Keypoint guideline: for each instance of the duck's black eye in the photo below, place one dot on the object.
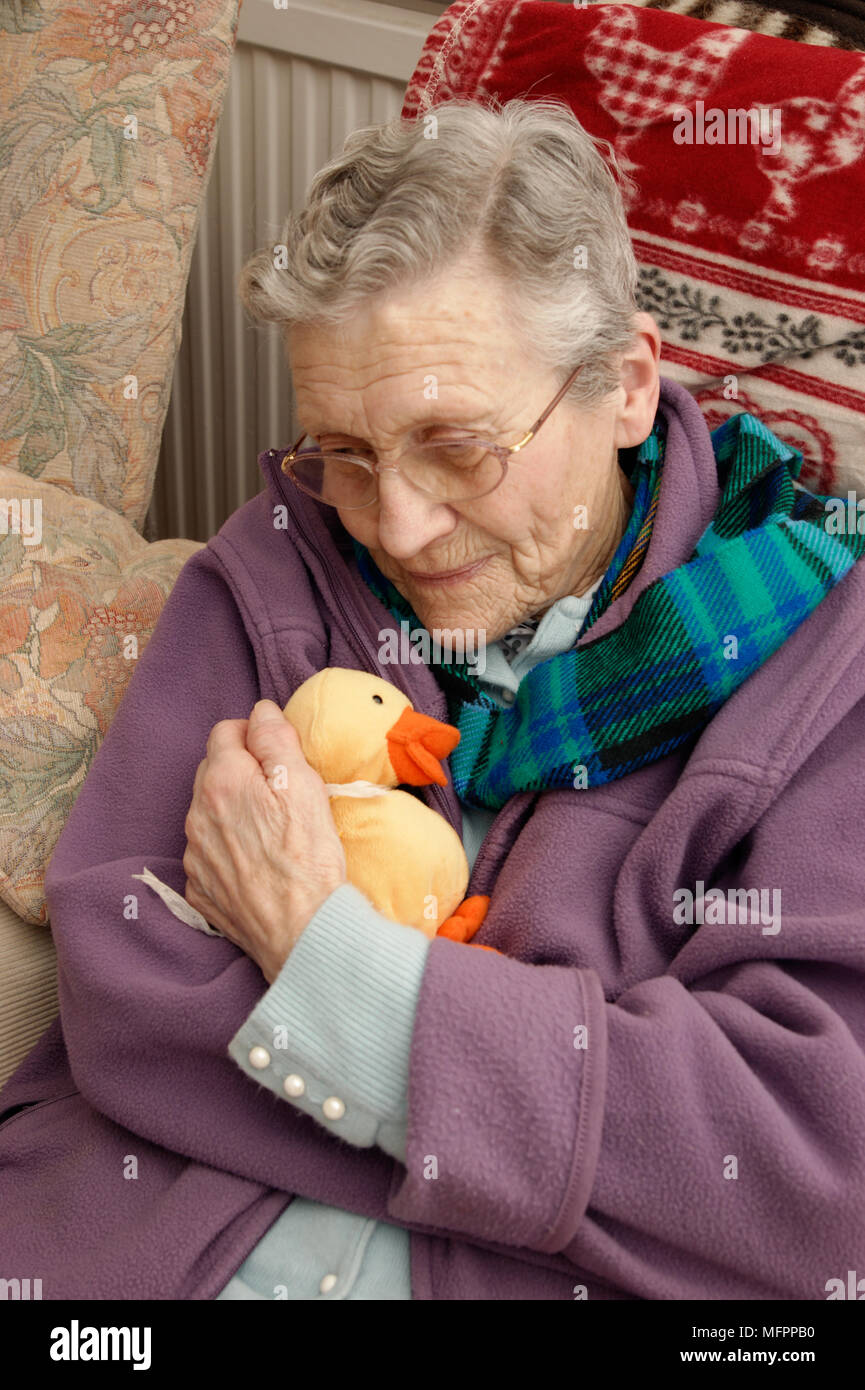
(378, 700)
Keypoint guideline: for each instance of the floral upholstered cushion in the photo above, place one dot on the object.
(80, 593)
(108, 122)
(108, 125)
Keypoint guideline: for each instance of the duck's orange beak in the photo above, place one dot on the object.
(415, 745)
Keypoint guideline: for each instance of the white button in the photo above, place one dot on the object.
(294, 1085)
(327, 1283)
(259, 1057)
(334, 1108)
(508, 697)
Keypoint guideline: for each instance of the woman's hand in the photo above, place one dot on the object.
(262, 849)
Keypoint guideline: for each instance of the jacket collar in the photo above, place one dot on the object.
(688, 500)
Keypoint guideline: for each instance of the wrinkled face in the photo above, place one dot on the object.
(445, 355)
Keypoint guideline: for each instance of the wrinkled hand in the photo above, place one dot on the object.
(262, 849)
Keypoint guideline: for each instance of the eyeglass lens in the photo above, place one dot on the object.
(450, 470)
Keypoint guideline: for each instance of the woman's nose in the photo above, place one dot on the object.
(407, 519)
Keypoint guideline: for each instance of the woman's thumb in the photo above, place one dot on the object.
(265, 712)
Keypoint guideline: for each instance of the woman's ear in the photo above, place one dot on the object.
(640, 384)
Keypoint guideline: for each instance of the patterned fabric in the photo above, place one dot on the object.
(639, 83)
(108, 119)
(841, 25)
(80, 594)
(518, 638)
(649, 686)
(751, 262)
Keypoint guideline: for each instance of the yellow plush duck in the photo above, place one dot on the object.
(364, 739)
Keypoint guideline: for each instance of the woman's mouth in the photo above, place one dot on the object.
(449, 576)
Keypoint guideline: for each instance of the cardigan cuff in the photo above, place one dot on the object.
(333, 1032)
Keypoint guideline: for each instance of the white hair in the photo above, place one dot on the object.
(522, 183)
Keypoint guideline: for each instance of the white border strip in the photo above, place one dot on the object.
(356, 34)
(751, 268)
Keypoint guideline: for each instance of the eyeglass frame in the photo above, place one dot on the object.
(502, 451)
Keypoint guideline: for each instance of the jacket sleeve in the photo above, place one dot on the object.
(709, 1139)
(336, 1023)
(148, 1005)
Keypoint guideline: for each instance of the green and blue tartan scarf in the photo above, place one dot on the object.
(604, 709)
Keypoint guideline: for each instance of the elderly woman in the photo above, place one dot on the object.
(653, 1087)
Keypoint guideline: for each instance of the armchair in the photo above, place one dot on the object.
(108, 126)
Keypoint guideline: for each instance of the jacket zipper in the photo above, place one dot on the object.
(362, 648)
(27, 1107)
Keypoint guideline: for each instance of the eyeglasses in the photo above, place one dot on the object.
(447, 470)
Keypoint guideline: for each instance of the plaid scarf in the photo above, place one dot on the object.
(599, 711)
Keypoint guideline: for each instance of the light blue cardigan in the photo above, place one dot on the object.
(345, 1002)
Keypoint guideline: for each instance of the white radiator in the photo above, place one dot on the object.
(303, 76)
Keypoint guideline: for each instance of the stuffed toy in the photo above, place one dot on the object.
(364, 739)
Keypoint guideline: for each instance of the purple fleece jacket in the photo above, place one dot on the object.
(624, 1105)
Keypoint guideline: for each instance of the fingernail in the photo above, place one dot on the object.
(267, 709)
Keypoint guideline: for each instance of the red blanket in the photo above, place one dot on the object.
(748, 152)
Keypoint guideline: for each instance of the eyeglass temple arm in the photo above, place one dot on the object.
(513, 448)
(288, 457)
(549, 410)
